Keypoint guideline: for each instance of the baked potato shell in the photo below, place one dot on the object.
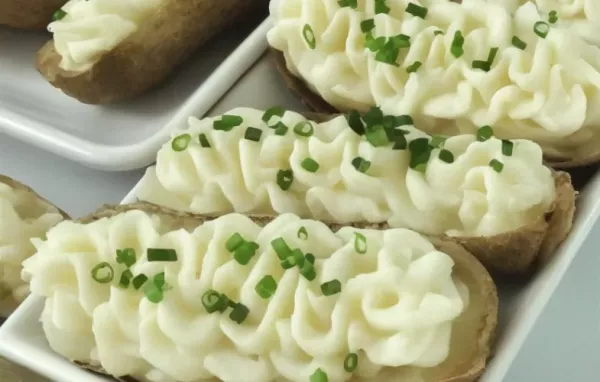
(28, 14)
(151, 53)
(473, 333)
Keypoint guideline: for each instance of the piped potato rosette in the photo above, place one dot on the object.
(531, 69)
(494, 196)
(143, 292)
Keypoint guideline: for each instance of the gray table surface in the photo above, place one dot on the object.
(563, 347)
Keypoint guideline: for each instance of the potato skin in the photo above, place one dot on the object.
(28, 14)
(475, 334)
(149, 55)
(20, 186)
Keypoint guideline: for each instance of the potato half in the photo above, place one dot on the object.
(473, 332)
(146, 57)
(28, 14)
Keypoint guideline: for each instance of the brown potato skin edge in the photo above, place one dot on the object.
(144, 60)
(28, 14)
(467, 267)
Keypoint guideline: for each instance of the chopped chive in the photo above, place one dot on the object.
(288, 263)
(204, 141)
(394, 134)
(308, 271)
(400, 143)
(416, 10)
(227, 122)
(59, 15)
(412, 68)
(360, 243)
(298, 257)
(304, 129)
(484, 133)
(496, 165)
(281, 248)
(245, 252)
(103, 273)
(507, 147)
(253, 134)
(552, 17)
(482, 65)
(225, 303)
(319, 376)
(518, 43)
(541, 28)
(310, 258)
(275, 111)
(404, 120)
(234, 242)
(355, 122)
(153, 293)
(285, 178)
(438, 32)
(373, 117)
(446, 156)
(361, 164)
(367, 25)
(374, 44)
(139, 280)
(420, 152)
(266, 287)
(348, 3)
(457, 44)
(389, 52)
(351, 362)
(159, 280)
(376, 136)
(437, 141)
(280, 128)
(181, 142)
(230, 303)
(492, 55)
(310, 165)
(211, 300)
(126, 257)
(331, 287)
(309, 36)
(125, 280)
(161, 254)
(381, 7)
(239, 313)
(302, 233)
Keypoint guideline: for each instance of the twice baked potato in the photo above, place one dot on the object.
(453, 66)
(23, 215)
(495, 197)
(163, 295)
(112, 50)
(28, 14)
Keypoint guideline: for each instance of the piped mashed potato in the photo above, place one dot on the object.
(467, 185)
(514, 65)
(22, 217)
(85, 30)
(384, 299)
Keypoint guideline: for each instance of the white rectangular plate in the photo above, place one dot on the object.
(122, 136)
(22, 340)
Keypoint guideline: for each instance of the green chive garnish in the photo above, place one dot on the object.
(437, 141)
(225, 303)
(367, 25)
(211, 300)
(245, 252)
(446, 156)
(275, 111)
(161, 254)
(139, 280)
(234, 242)
(484, 133)
(288, 263)
(361, 164)
(390, 51)
(154, 290)
(126, 257)
(285, 179)
(400, 142)
(541, 28)
(239, 313)
(280, 128)
(404, 120)
(204, 141)
(507, 147)
(319, 376)
(159, 280)
(59, 15)
(308, 271)
(253, 134)
(373, 117)
(309, 36)
(552, 17)
(496, 165)
(266, 287)
(420, 152)
(310, 258)
(412, 68)
(416, 10)
(331, 287)
(298, 257)
(103, 273)
(374, 44)
(355, 122)
(457, 44)
(518, 43)
(304, 129)
(310, 165)
(351, 362)
(302, 233)
(482, 65)
(181, 142)
(281, 248)
(376, 136)
(227, 122)
(381, 7)
(360, 243)
(125, 280)
(348, 3)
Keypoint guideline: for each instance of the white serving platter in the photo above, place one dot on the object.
(521, 303)
(123, 136)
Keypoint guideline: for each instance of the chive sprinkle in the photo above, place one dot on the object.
(59, 15)
(360, 243)
(211, 300)
(361, 164)
(154, 291)
(482, 65)
(125, 280)
(457, 44)
(239, 313)
(507, 147)
(161, 254)
(304, 129)
(234, 242)
(518, 43)
(416, 10)
(420, 152)
(126, 257)
(552, 17)
(412, 68)
(348, 3)
(389, 52)
(275, 111)
(541, 28)
(285, 178)
(308, 271)
(381, 7)
(400, 142)
(331, 287)
(302, 233)
(373, 117)
(280, 128)
(281, 248)
(159, 280)
(224, 303)
(309, 36)
(288, 263)
(374, 44)
(139, 280)
(355, 122)
(245, 252)
(496, 165)
(266, 287)
(103, 273)
(367, 25)
(437, 141)
(446, 156)
(310, 165)
(376, 136)
(227, 122)
(181, 142)
(351, 362)
(253, 134)
(310, 258)
(484, 133)
(319, 376)
(204, 141)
